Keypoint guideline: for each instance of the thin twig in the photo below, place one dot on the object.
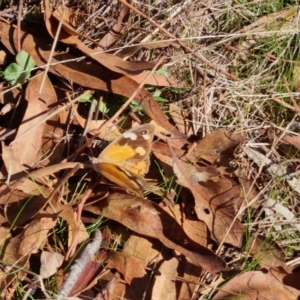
(88, 122)
(53, 47)
(98, 107)
(20, 8)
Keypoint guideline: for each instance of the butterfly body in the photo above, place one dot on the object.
(126, 160)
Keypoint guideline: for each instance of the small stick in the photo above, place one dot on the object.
(283, 103)
(79, 265)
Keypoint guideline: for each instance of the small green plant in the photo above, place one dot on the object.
(89, 97)
(19, 71)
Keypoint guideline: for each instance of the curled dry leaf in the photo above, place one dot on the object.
(114, 33)
(189, 273)
(131, 69)
(53, 133)
(28, 182)
(144, 217)
(17, 250)
(65, 211)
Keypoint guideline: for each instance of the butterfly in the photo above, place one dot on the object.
(126, 160)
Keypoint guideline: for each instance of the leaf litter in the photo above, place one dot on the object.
(160, 246)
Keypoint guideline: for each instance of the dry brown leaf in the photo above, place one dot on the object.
(50, 262)
(23, 151)
(216, 148)
(188, 278)
(66, 212)
(29, 206)
(116, 288)
(164, 287)
(273, 284)
(27, 182)
(145, 249)
(81, 234)
(292, 140)
(188, 273)
(162, 153)
(18, 249)
(214, 203)
(53, 131)
(35, 235)
(10, 99)
(133, 271)
(11, 258)
(179, 117)
(4, 234)
(2, 57)
(144, 217)
(129, 266)
(195, 230)
(268, 254)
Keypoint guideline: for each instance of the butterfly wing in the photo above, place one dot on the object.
(126, 160)
(130, 151)
(124, 178)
